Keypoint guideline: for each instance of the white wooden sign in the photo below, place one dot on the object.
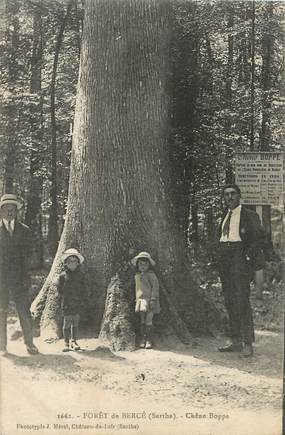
(259, 176)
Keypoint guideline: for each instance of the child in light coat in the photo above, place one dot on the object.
(147, 296)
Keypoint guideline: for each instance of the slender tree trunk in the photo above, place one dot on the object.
(267, 59)
(265, 133)
(53, 214)
(185, 91)
(211, 64)
(118, 199)
(12, 40)
(229, 81)
(252, 83)
(194, 233)
(34, 197)
(11, 152)
(78, 18)
(210, 225)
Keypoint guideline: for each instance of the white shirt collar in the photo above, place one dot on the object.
(235, 210)
(12, 224)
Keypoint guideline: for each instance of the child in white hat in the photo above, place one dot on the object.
(147, 296)
(71, 287)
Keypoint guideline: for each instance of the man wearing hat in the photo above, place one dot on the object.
(15, 253)
(240, 254)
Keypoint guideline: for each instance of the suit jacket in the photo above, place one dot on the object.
(252, 236)
(15, 254)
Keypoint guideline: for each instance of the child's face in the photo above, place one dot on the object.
(72, 262)
(143, 265)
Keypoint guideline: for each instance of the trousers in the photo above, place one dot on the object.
(23, 310)
(235, 275)
(146, 317)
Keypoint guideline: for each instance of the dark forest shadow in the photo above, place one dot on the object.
(58, 363)
(267, 359)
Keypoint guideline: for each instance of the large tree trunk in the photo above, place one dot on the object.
(118, 199)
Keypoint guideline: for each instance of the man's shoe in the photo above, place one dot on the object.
(3, 352)
(66, 348)
(237, 347)
(247, 351)
(148, 344)
(142, 343)
(32, 349)
(74, 346)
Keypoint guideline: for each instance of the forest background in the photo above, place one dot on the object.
(226, 93)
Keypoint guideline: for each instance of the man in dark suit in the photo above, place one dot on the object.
(240, 254)
(15, 253)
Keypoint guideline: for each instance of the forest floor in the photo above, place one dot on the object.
(171, 389)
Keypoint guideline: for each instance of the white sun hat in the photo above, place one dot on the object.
(72, 252)
(143, 255)
(10, 198)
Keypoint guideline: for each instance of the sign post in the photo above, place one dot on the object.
(259, 277)
(259, 176)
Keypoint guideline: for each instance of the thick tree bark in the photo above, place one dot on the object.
(118, 199)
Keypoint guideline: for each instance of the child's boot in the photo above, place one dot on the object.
(143, 336)
(148, 344)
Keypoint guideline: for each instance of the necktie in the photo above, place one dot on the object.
(226, 227)
(9, 228)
